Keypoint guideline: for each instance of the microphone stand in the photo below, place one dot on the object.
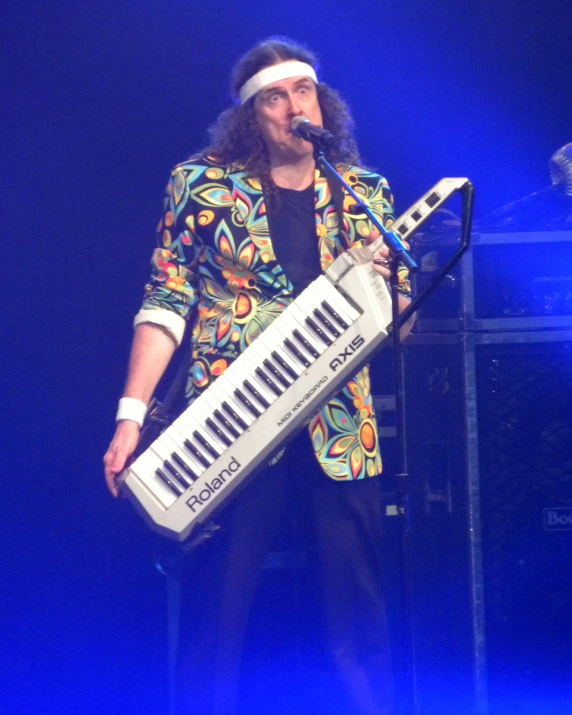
(398, 256)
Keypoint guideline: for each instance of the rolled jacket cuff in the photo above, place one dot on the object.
(167, 319)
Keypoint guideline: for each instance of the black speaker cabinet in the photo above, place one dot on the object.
(490, 458)
(505, 281)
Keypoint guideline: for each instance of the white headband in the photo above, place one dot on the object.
(274, 73)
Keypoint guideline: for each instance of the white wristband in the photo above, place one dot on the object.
(131, 409)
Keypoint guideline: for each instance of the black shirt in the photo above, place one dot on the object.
(292, 227)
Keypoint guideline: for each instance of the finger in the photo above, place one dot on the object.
(382, 257)
(373, 235)
(114, 462)
(110, 481)
(118, 466)
(382, 270)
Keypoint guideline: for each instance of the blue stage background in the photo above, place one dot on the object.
(101, 99)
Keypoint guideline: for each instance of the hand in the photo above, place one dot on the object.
(121, 448)
(382, 263)
(381, 259)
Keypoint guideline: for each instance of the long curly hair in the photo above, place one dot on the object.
(236, 139)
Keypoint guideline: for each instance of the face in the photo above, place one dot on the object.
(277, 104)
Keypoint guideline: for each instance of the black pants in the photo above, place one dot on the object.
(218, 584)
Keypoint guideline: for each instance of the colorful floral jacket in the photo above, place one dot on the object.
(216, 267)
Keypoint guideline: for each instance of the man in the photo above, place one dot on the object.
(248, 224)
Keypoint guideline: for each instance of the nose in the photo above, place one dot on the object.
(295, 108)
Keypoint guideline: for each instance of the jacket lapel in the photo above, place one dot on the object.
(251, 208)
(250, 204)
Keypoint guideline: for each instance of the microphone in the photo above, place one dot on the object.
(561, 168)
(303, 128)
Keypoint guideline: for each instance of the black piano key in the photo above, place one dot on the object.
(329, 325)
(239, 421)
(230, 428)
(284, 365)
(184, 466)
(319, 332)
(206, 444)
(273, 370)
(297, 354)
(302, 340)
(253, 391)
(177, 475)
(197, 454)
(336, 316)
(267, 381)
(246, 402)
(217, 430)
(177, 491)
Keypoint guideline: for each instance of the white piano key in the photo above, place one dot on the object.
(216, 405)
(161, 449)
(308, 305)
(195, 426)
(323, 318)
(295, 322)
(326, 291)
(189, 423)
(175, 436)
(275, 343)
(172, 441)
(234, 384)
(144, 469)
(342, 305)
(265, 353)
(164, 454)
(313, 339)
(261, 353)
(292, 363)
(263, 390)
(247, 373)
(286, 334)
(254, 379)
(224, 389)
(257, 351)
(201, 412)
